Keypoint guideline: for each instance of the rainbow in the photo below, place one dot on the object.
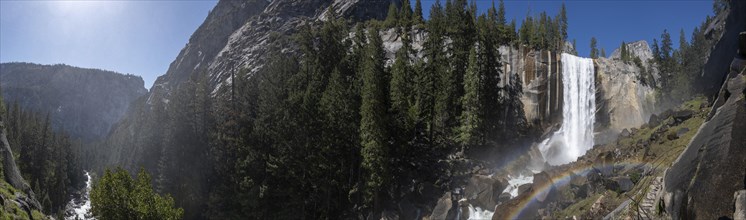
(527, 204)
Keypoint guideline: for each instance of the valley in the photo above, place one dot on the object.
(388, 109)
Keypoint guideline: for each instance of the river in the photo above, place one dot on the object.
(79, 206)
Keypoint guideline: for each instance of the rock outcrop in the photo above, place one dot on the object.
(541, 77)
(12, 174)
(711, 169)
(86, 103)
(724, 28)
(623, 101)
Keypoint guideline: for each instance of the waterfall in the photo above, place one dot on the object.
(78, 208)
(575, 136)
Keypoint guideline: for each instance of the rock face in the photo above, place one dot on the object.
(83, 102)
(639, 49)
(541, 77)
(739, 200)
(235, 36)
(11, 173)
(623, 101)
(711, 168)
(724, 28)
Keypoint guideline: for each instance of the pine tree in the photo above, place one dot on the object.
(563, 22)
(405, 14)
(400, 84)
(392, 19)
(594, 50)
(418, 19)
(683, 44)
(656, 51)
(623, 52)
(373, 131)
(472, 117)
(666, 46)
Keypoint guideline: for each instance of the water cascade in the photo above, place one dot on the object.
(575, 136)
(78, 208)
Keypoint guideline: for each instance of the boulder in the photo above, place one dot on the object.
(625, 183)
(625, 133)
(739, 198)
(524, 188)
(484, 191)
(504, 197)
(681, 131)
(672, 136)
(604, 163)
(440, 212)
(612, 185)
(683, 115)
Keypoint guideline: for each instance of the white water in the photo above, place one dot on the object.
(78, 208)
(515, 182)
(479, 214)
(575, 136)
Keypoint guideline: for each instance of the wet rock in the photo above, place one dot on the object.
(504, 197)
(440, 212)
(524, 188)
(484, 191)
(463, 205)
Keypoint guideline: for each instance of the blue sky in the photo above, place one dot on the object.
(611, 22)
(144, 37)
(137, 37)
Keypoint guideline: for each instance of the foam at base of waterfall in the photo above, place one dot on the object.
(476, 213)
(575, 137)
(515, 182)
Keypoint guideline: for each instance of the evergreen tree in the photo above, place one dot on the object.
(603, 52)
(683, 44)
(594, 50)
(623, 52)
(373, 132)
(471, 132)
(418, 19)
(666, 46)
(656, 51)
(563, 22)
(117, 196)
(392, 19)
(405, 15)
(400, 84)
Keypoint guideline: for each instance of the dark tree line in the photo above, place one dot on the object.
(332, 131)
(682, 65)
(46, 158)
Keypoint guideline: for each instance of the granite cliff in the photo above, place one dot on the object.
(85, 103)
